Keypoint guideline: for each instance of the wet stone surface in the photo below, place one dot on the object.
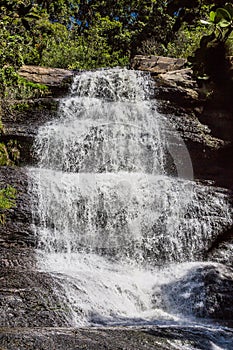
(204, 292)
(143, 338)
(17, 230)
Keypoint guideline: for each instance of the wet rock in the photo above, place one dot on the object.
(211, 156)
(221, 249)
(91, 339)
(30, 299)
(17, 257)
(28, 296)
(116, 338)
(178, 87)
(203, 125)
(223, 253)
(22, 118)
(205, 291)
(17, 230)
(210, 152)
(218, 115)
(204, 121)
(175, 82)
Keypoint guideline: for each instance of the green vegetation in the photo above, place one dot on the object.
(85, 34)
(15, 87)
(7, 201)
(209, 60)
(9, 153)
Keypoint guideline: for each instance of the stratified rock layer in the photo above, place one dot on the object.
(56, 79)
(157, 64)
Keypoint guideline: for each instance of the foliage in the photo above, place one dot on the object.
(92, 50)
(222, 22)
(209, 60)
(79, 34)
(205, 48)
(57, 34)
(7, 201)
(8, 155)
(4, 156)
(9, 152)
(183, 43)
(15, 87)
(90, 34)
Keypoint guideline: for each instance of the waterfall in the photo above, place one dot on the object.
(117, 214)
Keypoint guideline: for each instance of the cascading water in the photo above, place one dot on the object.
(114, 222)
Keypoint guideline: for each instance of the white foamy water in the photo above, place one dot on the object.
(113, 221)
(108, 292)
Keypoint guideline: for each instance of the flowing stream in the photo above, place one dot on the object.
(118, 216)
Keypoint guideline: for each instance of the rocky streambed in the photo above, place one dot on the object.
(117, 338)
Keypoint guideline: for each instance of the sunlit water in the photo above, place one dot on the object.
(115, 221)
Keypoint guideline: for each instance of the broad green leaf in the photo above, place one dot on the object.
(223, 23)
(212, 16)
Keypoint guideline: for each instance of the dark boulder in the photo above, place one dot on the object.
(204, 291)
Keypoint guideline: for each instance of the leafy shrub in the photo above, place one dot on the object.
(15, 87)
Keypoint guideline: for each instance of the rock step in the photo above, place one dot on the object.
(115, 338)
(31, 298)
(57, 79)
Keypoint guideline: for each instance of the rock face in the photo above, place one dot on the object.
(206, 291)
(205, 123)
(27, 297)
(21, 120)
(180, 78)
(17, 229)
(178, 87)
(221, 250)
(157, 64)
(55, 78)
